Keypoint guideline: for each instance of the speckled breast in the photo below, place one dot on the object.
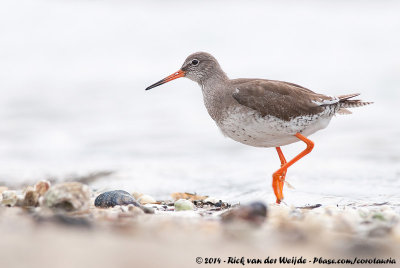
(247, 126)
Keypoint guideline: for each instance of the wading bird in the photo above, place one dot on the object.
(261, 112)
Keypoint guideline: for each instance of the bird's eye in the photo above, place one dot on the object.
(195, 62)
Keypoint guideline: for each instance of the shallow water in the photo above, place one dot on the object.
(72, 79)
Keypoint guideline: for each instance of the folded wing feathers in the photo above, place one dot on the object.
(348, 96)
(344, 102)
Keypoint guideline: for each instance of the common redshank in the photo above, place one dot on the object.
(261, 112)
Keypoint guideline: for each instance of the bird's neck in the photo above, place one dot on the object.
(215, 77)
(215, 91)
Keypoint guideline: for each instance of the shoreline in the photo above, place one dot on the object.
(125, 236)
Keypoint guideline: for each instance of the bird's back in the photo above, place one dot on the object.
(286, 100)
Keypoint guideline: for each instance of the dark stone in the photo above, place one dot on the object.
(255, 212)
(114, 198)
(258, 209)
(218, 204)
(147, 210)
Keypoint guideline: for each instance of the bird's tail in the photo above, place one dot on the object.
(346, 102)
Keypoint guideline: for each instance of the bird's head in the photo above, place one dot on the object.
(198, 67)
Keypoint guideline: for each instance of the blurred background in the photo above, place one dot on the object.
(73, 74)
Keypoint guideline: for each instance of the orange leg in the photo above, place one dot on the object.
(279, 175)
(281, 181)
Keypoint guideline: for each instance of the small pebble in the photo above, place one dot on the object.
(183, 204)
(31, 199)
(146, 199)
(148, 210)
(114, 198)
(132, 210)
(255, 212)
(68, 196)
(378, 216)
(10, 198)
(211, 200)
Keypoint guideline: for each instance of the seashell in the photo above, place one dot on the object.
(68, 196)
(114, 198)
(10, 198)
(42, 187)
(183, 204)
(146, 199)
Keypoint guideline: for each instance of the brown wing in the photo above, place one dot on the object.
(280, 99)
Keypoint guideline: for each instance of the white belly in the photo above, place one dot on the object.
(246, 126)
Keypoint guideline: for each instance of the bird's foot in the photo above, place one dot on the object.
(278, 179)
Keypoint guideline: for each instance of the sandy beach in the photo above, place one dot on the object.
(126, 236)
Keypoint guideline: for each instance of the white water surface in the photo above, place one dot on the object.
(73, 74)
